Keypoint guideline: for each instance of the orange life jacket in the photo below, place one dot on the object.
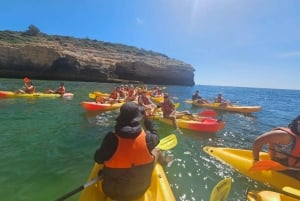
(114, 95)
(294, 155)
(131, 92)
(130, 152)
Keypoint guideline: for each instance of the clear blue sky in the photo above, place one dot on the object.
(254, 43)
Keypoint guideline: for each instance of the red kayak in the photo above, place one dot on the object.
(94, 106)
(202, 124)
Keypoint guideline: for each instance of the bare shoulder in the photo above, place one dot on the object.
(276, 135)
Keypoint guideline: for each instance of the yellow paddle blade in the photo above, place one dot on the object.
(221, 191)
(291, 191)
(177, 105)
(92, 95)
(99, 93)
(168, 142)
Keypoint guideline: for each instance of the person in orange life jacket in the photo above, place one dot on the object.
(132, 94)
(145, 101)
(129, 154)
(169, 111)
(114, 96)
(284, 146)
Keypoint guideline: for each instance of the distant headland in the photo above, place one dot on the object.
(51, 57)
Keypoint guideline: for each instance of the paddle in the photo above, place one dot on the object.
(270, 165)
(92, 95)
(166, 143)
(221, 190)
(208, 113)
(80, 188)
(292, 191)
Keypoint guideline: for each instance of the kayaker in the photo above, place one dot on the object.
(196, 97)
(60, 90)
(284, 145)
(114, 96)
(29, 88)
(129, 154)
(169, 111)
(219, 99)
(144, 101)
(132, 94)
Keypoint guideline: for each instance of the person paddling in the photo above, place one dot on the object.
(60, 90)
(169, 111)
(29, 88)
(129, 154)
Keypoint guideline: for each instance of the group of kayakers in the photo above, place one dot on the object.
(142, 96)
(29, 88)
(219, 99)
(129, 154)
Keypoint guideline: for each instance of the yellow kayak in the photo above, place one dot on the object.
(229, 108)
(157, 99)
(10, 94)
(159, 189)
(242, 160)
(268, 196)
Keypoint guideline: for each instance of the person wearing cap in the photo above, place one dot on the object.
(128, 154)
(169, 111)
(145, 101)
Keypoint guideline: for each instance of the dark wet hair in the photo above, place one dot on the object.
(294, 125)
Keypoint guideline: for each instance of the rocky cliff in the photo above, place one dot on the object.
(67, 58)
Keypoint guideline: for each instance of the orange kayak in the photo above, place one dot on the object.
(204, 124)
(94, 106)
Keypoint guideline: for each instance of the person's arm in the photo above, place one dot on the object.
(271, 137)
(152, 137)
(107, 149)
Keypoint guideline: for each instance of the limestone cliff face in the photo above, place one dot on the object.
(66, 58)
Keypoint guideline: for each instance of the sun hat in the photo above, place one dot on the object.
(130, 112)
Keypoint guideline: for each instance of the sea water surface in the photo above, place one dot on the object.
(47, 144)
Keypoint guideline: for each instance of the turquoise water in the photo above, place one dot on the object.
(47, 145)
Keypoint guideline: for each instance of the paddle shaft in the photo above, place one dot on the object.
(80, 188)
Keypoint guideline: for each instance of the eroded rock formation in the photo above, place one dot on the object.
(67, 58)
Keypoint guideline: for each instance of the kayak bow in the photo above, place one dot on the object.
(242, 160)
